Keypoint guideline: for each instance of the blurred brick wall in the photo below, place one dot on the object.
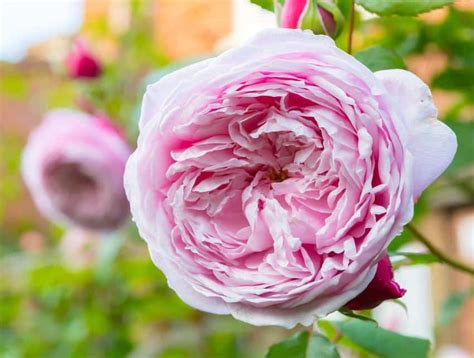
(186, 28)
(18, 115)
(181, 28)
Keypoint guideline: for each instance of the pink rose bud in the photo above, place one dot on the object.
(80, 63)
(73, 166)
(381, 288)
(319, 16)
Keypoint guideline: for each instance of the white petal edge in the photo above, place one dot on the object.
(431, 142)
(158, 92)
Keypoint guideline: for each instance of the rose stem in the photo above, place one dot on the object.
(438, 253)
(351, 27)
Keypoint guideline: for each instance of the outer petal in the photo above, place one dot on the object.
(185, 291)
(431, 142)
(160, 97)
(160, 100)
(157, 93)
(304, 314)
(291, 13)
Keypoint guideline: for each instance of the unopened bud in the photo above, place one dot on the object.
(80, 63)
(319, 16)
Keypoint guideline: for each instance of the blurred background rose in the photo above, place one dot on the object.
(73, 165)
(77, 293)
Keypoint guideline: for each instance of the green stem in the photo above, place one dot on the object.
(438, 253)
(351, 27)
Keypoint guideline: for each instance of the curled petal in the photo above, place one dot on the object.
(431, 142)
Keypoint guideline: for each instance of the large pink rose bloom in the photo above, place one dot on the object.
(268, 181)
(73, 165)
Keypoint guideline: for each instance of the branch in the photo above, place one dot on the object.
(438, 253)
(351, 27)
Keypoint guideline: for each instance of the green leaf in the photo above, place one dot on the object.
(404, 238)
(345, 6)
(401, 304)
(415, 258)
(320, 347)
(382, 342)
(401, 7)
(378, 58)
(465, 133)
(452, 305)
(334, 335)
(264, 4)
(349, 313)
(294, 346)
(300, 345)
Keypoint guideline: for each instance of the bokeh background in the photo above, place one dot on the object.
(67, 292)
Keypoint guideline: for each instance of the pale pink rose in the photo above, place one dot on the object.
(73, 166)
(268, 181)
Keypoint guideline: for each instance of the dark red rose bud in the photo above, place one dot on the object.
(381, 288)
(80, 63)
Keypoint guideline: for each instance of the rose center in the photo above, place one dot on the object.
(278, 175)
(69, 176)
(70, 185)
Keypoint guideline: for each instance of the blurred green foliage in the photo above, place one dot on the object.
(118, 305)
(10, 151)
(452, 305)
(13, 85)
(453, 36)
